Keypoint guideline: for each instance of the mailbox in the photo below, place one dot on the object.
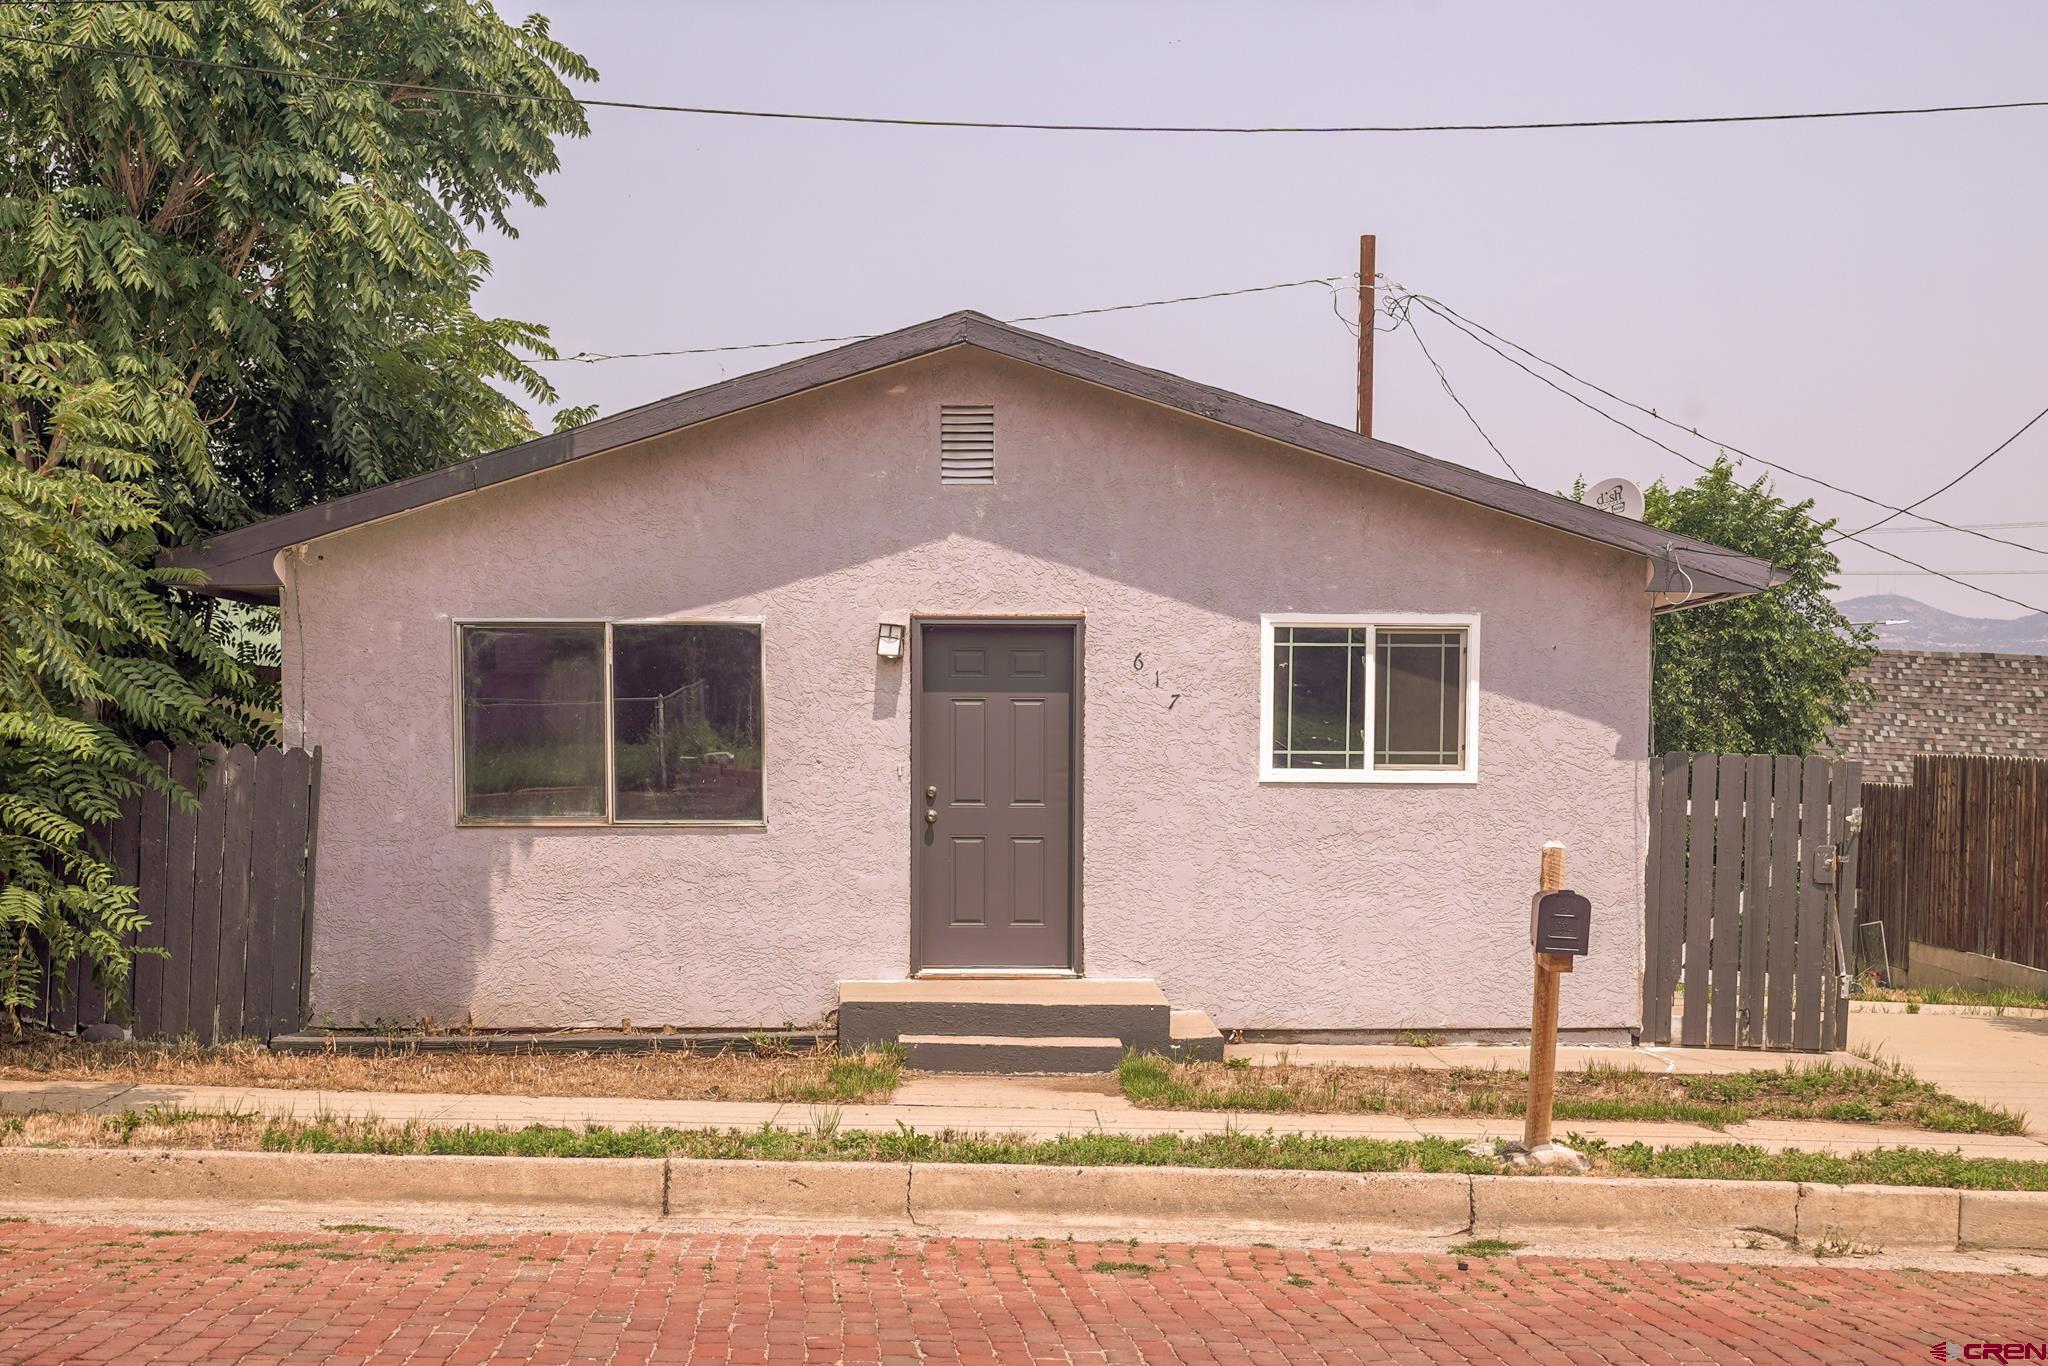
(1560, 922)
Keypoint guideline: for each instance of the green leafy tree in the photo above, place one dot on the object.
(96, 654)
(227, 287)
(1766, 674)
(334, 413)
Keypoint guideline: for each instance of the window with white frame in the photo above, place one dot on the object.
(594, 723)
(1369, 698)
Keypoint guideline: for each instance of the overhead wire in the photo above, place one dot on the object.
(887, 121)
(1967, 526)
(1450, 315)
(1445, 381)
(595, 357)
(1468, 326)
(1972, 469)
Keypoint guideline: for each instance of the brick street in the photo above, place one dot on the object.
(132, 1293)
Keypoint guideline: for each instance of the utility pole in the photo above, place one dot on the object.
(1368, 306)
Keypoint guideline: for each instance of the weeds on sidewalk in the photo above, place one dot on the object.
(812, 1075)
(1276, 1152)
(1485, 1247)
(1884, 1093)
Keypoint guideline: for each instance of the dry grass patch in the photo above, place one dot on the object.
(155, 1128)
(810, 1075)
(1883, 1093)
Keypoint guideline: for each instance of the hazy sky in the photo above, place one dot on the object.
(1859, 299)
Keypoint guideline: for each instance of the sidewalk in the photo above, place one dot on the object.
(1992, 1059)
(1033, 1107)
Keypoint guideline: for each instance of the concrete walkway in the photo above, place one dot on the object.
(1034, 1107)
(1990, 1057)
(1993, 1059)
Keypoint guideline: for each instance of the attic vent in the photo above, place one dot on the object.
(967, 443)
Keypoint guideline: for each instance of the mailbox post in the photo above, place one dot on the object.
(1559, 931)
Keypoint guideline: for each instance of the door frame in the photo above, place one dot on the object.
(1077, 624)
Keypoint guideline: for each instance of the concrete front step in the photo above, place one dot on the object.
(1133, 1012)
(1195, 1037)
(1014, 1054)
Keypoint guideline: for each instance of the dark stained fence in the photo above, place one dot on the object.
(1743, 911)
(1958, 858)
(228, 891)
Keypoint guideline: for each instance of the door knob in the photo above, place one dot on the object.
(931, 794)
(931, 818)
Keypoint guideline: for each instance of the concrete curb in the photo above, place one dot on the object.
(601, 1186)
(1667, 1212)
(1721, 1213)
(1123, 1197)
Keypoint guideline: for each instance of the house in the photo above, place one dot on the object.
(959, 671)
(1942, 702)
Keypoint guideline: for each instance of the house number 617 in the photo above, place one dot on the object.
(1138, 666)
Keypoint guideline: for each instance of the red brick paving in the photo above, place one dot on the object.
(132, 1294)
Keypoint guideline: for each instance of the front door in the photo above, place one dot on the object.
(995, 775)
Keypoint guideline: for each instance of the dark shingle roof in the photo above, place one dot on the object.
(238, 563)
(1934, 702)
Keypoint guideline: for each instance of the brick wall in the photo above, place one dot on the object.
(1934, 702)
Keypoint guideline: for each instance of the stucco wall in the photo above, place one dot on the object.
(1272, 906)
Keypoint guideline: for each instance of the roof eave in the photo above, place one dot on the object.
(239, 561)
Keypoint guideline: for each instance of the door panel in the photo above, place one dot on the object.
(995, 728)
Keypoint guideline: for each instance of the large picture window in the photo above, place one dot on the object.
(625, 723)
(1369, 699)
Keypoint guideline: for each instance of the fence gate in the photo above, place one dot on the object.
(227, 889)
(1750, 900)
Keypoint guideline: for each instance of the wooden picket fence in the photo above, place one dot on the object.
(1958, 858)
(1744, 907)
(228, 891)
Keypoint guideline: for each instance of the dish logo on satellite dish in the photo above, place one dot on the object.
(1617, 496)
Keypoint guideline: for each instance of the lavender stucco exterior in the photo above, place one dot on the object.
(1272, 906)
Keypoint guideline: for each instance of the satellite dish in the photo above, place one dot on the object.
(1617, 496)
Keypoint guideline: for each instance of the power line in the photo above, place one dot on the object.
(1966, 526)
(1450, 315)
(1468, 326)
(1885, 573)
(1445, 380)
(595, 357)
(1980, 464)
(874, 120)
(1960, 583)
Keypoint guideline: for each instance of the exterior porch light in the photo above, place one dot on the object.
(889, 640)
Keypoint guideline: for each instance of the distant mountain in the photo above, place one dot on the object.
(1929, 628)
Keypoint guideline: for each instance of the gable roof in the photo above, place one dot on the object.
(238, 563)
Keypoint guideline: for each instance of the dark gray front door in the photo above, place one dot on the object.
(995, 784)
